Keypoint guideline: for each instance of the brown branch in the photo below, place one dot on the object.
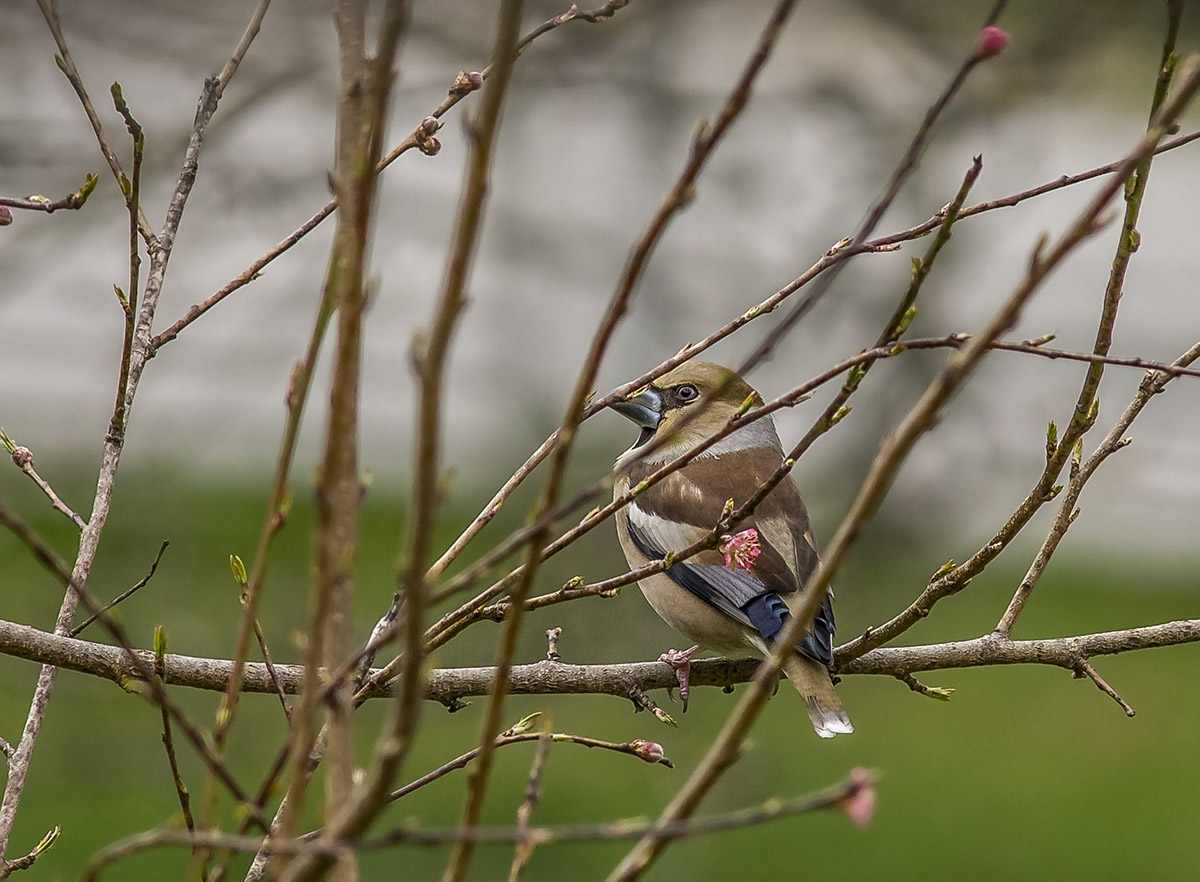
(41, 550)
(446, 685)
(72, 201)
(834, 797)
(181, 791)
(366, 84)
(523, 847)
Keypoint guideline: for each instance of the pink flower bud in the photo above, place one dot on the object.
(22, 456)
(429, 125)
(650, 751)
(858, 802)
(992, 41)
(741, 550)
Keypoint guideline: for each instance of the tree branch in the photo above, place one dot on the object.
(449, 685)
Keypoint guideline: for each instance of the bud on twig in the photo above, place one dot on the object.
(992, 41)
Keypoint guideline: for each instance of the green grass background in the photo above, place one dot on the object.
(1025, 773)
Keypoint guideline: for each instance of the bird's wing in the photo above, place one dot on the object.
(674, 513)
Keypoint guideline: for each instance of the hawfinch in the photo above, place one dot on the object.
(734, 598)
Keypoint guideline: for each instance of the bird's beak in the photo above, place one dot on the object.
(644, 408)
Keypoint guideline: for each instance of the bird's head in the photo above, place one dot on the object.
(688, 404)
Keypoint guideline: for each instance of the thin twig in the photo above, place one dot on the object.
(72, 201)
(523, 847)
(41, 550)
(124, 595)
(181, 791)
(1086, 670)
(22, 458)
(833, 797)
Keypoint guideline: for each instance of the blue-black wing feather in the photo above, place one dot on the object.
(740, 594)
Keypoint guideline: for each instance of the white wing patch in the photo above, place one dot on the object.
(667, 535)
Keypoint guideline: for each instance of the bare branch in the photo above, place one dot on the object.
(447, 685)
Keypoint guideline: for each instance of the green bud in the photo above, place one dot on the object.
(89, 184)
(238, 568)
(48, 840)
(524, 725)
(841, 413)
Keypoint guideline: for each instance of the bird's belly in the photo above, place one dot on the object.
(695, 619)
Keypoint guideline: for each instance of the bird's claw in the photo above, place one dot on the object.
(681, 661)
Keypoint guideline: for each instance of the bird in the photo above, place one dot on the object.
(735, 598)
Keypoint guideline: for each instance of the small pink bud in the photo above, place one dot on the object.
(475, 78)
(22, 456)
(741, 550)
(650, 751)
(858, 802)
(6, 217)
(992, 41)
(429, 125)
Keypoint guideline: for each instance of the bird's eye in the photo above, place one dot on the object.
(687, 392)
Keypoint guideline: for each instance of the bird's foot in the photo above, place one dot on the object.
(681, 661)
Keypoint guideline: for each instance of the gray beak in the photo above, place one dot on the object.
(643, 408)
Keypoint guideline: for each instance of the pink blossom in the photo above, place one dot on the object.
(858, 802)
(741, 550)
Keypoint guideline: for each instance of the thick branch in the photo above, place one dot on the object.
(446, 685)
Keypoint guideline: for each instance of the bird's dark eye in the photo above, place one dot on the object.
(687, 392)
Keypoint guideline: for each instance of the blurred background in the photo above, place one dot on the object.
(1024, 772)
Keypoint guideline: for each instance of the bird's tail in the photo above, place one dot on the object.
(825, 709)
